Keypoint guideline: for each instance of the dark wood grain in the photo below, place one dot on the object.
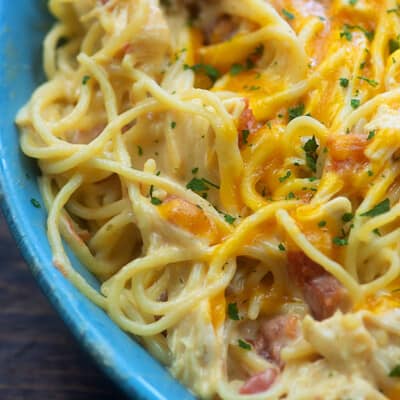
(39, 359)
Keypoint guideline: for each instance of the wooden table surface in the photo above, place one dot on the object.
(39, 359)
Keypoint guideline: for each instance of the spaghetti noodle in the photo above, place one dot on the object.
(229, 170)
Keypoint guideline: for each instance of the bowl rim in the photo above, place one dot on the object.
(153, 383)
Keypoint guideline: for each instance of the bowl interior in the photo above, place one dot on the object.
(22, 29)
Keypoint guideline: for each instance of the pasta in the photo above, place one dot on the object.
(229, 171)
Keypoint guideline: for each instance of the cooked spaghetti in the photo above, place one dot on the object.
(230, 172)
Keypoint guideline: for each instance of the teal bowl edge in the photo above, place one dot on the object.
(23, 25)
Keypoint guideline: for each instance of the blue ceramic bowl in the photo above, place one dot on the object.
(23, 24)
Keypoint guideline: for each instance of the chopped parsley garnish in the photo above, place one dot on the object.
(369, 81)
(371, 134)
(210, 183)
(338, 241)
(394, 44)
(295, 112)
(310, 148)
(140, 150)
(284, 177)
(287, 14)
(173, 125)
(393, 10)
(197, 185)
(236, 69)
(344, 82)
(245, 135)
(395, 372)
(229, 219)
(353, 2)
(244, 345)
(377, 232)
(290, 196)
(200, 185)
(281, 247)
(355, 103)
(347, 217)
(381, 208)
(35, 203)
(321, 224)
(85, 79)
(346, 33)
(155, 201)
(195, 170)
(233, 312)
(206, 69)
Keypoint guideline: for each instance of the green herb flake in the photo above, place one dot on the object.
(355, 103)
(236, 69)
(287, 14)
(155, 201)
(380, 208)
(296, 111)
(210, 183)
(197, 185)
(229, 219)
(212, 73)
(393, 10)
(310, 148)
(344, 82)
(394, 44)
(35, 203)
(371, 134)
(281, 247)
(290, 196)
(244, 345)
(369, 81)
(286, 176)
(85, 79)
(321, 224)
(233, 312)
(340, 241)
(173, 125)
(377, 232)
(347, 217)
(245, 135)
(346, 33)
(140, 150)
(195, 170)
(395, 372)
(353, 2)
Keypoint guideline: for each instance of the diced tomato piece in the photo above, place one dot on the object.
(260, 382)
(302, 269)
(275, 334)
(247, 122)
(323, 293)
